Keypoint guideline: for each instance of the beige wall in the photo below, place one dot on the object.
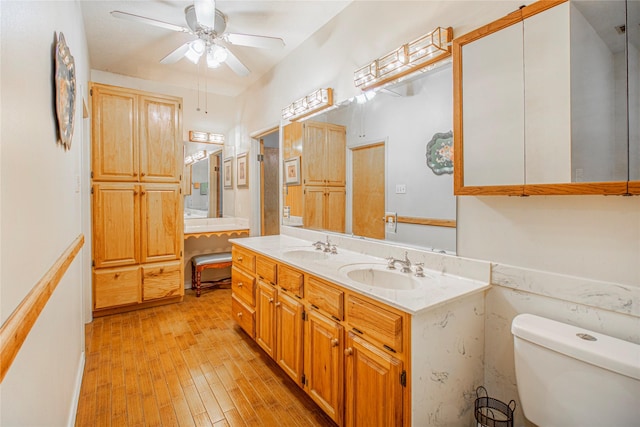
(41, 209)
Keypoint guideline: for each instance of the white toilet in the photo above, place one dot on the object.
(571, 377)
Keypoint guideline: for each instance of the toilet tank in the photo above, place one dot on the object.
(570, 376)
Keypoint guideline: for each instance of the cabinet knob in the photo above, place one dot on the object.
(239, 314)
(270, 300)
(161, 270)
(335, 342)
(348, 351)
(278, 304)
(239, 259)
(240, 284)
(115, 276)
(142, 174)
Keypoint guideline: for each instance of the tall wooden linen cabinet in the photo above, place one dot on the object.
(137, 215)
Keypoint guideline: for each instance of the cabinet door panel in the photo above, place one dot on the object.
(313, 216)
(314, 156)
(160, 140)
(334, 211)
(113, 287)
(289, 333)
(244, 315)
(115, 135)
(162, 222)
(162, 280)
(324, 362)
(116, 224)
(335, 155)
(493, 131)
(373, 390)
(265, 317)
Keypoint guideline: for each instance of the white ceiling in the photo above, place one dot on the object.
(135, 49)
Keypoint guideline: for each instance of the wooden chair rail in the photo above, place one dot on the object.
(427, 221)
(15, 329)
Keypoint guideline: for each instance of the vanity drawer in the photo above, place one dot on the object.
(113, 287)
(266, 269)
(291, 280)
(162, 280)
(242, 285)
(375, 322)
(325, 297)
(244, 316)
(244, 258)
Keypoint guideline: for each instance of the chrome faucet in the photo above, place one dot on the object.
(405, 263)
(328, 246)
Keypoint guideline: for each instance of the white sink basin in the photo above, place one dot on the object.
(305, 255)
(377, 275)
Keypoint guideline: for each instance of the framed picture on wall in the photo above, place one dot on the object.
(292, 171)
(227, 172)
(242, 171)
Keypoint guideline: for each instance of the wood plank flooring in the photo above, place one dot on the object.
(186, 364)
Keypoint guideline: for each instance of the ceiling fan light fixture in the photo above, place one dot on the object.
(219, 53)
(196, 49)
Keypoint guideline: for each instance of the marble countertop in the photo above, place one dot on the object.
(204, 225)
(434, 291)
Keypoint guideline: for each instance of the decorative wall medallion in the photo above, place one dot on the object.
(65, 91)
(440, 153)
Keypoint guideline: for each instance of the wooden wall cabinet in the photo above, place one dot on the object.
(324, 208)
(302, 322)
(324, 150)
(137, 200)
(524, 140)
(137, 136)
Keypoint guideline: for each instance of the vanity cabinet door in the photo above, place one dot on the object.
(289, 335)
(373, 389)
(266, 317)
(115, 287)
(116, 224)
(162, 280)
(114, 134)
(334, 209)
(160, 139)
(324, 364)
(162, 219)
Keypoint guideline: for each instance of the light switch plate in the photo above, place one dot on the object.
(401, 188)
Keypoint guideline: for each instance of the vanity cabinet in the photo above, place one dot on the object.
(324, 208)
(346, 351)
(324, 149)
(136, 227)
(526, 113)
(136, 135)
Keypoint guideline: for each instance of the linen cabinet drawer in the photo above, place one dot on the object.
(116, 287)
(375, 322)
(242, 285)
(162, 280)
(291, 280)
(266, 269)
(325, 297)
(245, 316)
(243, 258)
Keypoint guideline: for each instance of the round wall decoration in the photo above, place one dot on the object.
(65, 91)
(440, 153)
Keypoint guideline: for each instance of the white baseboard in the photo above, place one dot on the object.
(76, 393)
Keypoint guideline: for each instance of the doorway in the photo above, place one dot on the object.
(269, 185)
(368, 202)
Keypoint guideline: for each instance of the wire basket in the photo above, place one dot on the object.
(490, 412)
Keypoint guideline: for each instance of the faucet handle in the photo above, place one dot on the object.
(419, 269)
(318, 245)
(391, 263)
(334, 249)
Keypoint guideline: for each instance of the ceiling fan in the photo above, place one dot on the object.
(208, 25)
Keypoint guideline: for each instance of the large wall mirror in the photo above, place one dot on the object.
(202, 186)
(397, 155)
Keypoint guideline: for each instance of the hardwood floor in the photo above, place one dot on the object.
(185, 364)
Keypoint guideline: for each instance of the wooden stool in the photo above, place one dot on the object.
(201, 262)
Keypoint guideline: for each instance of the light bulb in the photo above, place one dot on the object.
(196, 49)
(220, 53)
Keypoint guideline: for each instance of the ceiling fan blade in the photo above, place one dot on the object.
(176, 55)
(254, 41)
(149, 21)
(234, 63)
(205, 13)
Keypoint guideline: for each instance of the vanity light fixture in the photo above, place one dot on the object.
(407, 59)
(313, 103)
(192, 158)
(206, 137)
